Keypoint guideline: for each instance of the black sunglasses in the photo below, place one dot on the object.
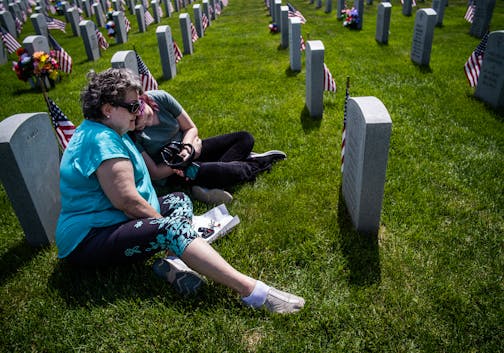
(133, 107)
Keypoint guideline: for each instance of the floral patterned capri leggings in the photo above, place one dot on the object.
(139, 239)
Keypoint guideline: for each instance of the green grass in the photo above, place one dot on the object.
(430, 282)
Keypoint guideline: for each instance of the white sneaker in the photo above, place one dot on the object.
(211, 196)
(283, 302)
(278, 154)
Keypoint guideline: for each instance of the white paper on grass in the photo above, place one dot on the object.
(218, 219)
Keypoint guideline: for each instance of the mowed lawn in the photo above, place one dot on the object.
(431, 281)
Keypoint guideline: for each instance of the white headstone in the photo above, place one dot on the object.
(166, 51)
(423, 34)
(295, 43)
(315, 78)
(490, 87)
(367, 142)
(88, 34)
(383, 22)
(29, 171)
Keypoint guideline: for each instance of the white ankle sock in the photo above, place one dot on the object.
(258, 296)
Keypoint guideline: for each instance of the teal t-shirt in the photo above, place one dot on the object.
(152, 138)
(84, 205)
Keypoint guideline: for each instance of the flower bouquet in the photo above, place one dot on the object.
(40, 66)
(350, 17)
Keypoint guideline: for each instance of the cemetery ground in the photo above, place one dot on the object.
(431, 281)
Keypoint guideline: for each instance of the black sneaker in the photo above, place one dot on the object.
(183, 279)
(267, 159)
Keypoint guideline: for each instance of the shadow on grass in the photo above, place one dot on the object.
(307, 122)
(17, 256)
(92, 287)
(424, 69)
(291, 73)
(499, 112)
(360, 250)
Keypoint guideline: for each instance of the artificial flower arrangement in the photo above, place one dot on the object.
(110, 25)
(350, 17)
(40, 65)
(273, 28)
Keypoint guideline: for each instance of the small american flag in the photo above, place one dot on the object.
(329, 83)
(64, 60)
(19, 25)
(159, 11)
(343, 133)
(9, 41)
(148, 18)
(63, 127)
(170, 6)
(225, 2)
(295, 13)
(194, 34)
(204, 21)
(472, 66)
(53, 23)
(178, 53)
(102, 42)
(127, 24)
(217, 8)
(148, 82)
(469, 15)
(303, 45)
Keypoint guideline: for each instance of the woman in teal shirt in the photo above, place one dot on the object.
(110, 213)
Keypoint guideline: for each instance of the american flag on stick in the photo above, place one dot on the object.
(329, 83)
(149, 83)
(194, 34)
(9, 41)
(472, 66)
(53, 23)
(102, 42)
(19, 25)
(204, 21)
(62, 126)
(64, 60)
(127, 24)
(295, 13)
(303, 45)
(148, 18)
(471, 9)
(343, 134)
(178, 53)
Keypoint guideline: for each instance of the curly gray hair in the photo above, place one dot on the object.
(109, 86)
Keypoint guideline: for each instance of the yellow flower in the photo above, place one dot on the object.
(53, 75)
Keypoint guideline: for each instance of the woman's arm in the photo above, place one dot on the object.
(117, 181)
(190, 133)
(157, 171)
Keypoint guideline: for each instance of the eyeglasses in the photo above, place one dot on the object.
(132, 107)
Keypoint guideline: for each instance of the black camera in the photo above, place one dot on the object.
(170, 153)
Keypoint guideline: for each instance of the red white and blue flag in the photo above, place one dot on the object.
(148, 18)
(178, 53)
(62, 126)
(64, 60)
(204, 21)
(472, 66)
(9, 41)
(343, 133)
(329, 83)
(194, 34)
(102, 42)
(149, 83)
(471, 9)
(53, 23)
(295, 13)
